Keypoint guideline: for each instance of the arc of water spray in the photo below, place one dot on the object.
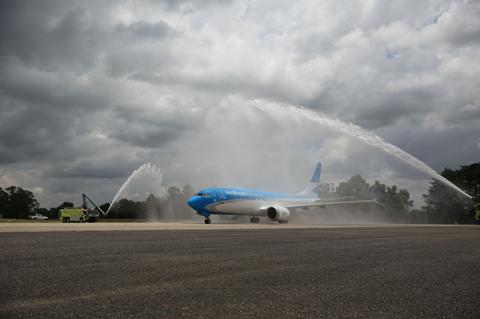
(349, 129)
(365, 136)
(145, 167)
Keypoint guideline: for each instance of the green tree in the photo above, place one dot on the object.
(325, 190)
(53, 213)
(3, 202)
(41, 210)
(105, 207)
(445, 205)
(378, 191)
(21, 202)
(356, 186)
(467, 177)
(65, 205)
(125, 208)
(397, 202)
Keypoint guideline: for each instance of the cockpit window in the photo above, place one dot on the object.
(201, 194)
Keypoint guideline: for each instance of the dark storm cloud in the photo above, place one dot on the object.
(42, 113)
(92, 168)
(30, 132)
(49, 34)
(466, 113)
(132, 62)
(152, 136)
(142, 126)
(40, 101)
(459, 145)
(49, 91)
(157, 30)
(394, 107)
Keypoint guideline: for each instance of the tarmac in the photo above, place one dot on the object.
(174, 270)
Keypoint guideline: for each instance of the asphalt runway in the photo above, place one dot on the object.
(323, 272)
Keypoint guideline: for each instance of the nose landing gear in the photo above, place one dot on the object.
(207, 221)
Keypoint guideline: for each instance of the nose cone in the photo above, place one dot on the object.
(193, 202)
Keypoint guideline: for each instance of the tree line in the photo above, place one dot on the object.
(16, 202)
(171, 206)
(397, 202)
(442, 204)
(19, 203)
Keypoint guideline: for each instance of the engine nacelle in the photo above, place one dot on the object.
(278, 213)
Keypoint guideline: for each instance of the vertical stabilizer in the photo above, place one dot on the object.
(316, 174)
(309, 190)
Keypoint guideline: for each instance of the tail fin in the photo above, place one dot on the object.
(309, 190)
(316, 174)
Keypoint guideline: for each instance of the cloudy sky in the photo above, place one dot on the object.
(209, 91)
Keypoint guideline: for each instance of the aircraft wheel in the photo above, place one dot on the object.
(254, 220)
(207, 221)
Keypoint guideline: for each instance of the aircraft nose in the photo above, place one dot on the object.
(192, 201)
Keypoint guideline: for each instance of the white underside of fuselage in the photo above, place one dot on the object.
(249, 207)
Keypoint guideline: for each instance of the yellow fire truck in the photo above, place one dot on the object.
(476, 212)
(81, 214)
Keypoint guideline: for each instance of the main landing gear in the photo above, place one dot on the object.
(207, 221)
(254, 220)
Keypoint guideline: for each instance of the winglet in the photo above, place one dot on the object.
(316, 174)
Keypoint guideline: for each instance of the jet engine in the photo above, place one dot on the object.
(278, 213)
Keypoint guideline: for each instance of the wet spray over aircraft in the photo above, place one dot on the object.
(227, 139)
(145, 180)
(364, 136)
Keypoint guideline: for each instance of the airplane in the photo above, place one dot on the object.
(256, 203)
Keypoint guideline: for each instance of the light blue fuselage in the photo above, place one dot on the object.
(240, 201)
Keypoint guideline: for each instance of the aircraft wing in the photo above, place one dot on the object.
(320, 204)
